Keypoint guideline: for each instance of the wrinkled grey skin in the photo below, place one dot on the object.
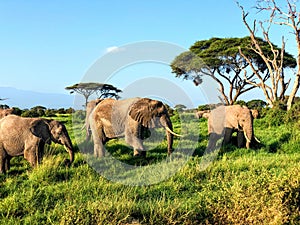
(27, 137)
(89, 108)
(225, 120)
(130, 118)
(6, 112)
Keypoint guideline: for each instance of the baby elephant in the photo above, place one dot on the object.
(27, 136)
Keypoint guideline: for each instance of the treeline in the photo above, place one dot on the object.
(39, 111)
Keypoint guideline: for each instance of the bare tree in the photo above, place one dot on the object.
(275, 62)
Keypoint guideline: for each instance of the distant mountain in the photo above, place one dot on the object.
(28, 99)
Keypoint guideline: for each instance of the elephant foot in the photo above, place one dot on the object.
(139, 153)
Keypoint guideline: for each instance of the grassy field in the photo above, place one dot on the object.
(240, 186)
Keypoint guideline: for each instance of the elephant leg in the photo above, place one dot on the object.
(99, 150)
(134, 137)
(40, 153)
(137, 145)
(240, 139)
(213, 138)
(227, 135)
(2, 162)
(7, 163)
(99, 139)
(31, 155)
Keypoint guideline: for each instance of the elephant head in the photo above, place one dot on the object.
(59, 134)
(151, 113)
(240, 118)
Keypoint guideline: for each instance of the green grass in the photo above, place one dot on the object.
(240, 186)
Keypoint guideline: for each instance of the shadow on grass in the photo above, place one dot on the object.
(274, 146)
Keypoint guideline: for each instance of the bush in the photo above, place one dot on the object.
(256, 104)
(293, 115)
(275, 116)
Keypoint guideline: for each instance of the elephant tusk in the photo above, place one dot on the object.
(256, 139)
(248, 140)
(84, 125)
(170, 131)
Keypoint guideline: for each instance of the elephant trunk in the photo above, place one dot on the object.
(67, 143)
(70, 150)
(166, 122)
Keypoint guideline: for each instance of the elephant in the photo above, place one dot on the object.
(89, 108)
(27, 137)
(6, 112)
(224, 120)
(130, 118)
(202, 114)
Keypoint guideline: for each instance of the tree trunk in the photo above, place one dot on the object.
(294, 91)
(297, 79)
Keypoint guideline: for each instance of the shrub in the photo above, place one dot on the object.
(275, 116)
(293, 115)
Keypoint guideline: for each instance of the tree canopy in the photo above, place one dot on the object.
(99, 89)
(220, 59)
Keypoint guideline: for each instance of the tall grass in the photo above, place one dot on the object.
(255, 186)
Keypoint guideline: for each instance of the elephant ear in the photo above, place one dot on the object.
(41, 129)
(145, 110)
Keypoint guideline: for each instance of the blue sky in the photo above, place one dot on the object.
(48, 45)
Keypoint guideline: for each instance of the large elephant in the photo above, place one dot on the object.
(6, 112)
(27, 136)
(130, 118)
(224, 120)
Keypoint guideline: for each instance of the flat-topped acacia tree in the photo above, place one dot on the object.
(221, 59)
(100, 89)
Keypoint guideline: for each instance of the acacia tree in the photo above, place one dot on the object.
(99, 89)
(278, 82)
(221, 59)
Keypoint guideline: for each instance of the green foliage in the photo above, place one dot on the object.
(37, 111)
(293, 115)
(17, 111)
(99, 89)
(275, 116)
(256, 104)
(240, 102)
(239, 187)
(204, 107)
(4, 106)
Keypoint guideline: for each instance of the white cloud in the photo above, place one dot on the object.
(113, 49)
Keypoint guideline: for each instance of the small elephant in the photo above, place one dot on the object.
(202, 114)
(6, 112)
(27, 136)
(224, 120)
(130, 118)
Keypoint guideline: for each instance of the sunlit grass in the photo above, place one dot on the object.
(238, 186)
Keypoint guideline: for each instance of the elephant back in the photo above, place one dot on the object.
(120, 112)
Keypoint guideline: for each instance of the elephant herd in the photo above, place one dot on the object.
(107, 119)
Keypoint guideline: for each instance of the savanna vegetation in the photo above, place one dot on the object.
(256, 186)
